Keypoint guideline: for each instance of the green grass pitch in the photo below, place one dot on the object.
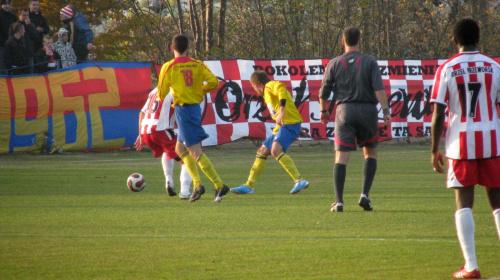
(71, 216)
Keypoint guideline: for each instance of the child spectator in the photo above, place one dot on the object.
(46, 58)
(15, 51)
(63, 47)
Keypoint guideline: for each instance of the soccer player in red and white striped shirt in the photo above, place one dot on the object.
(468, 84)
(156, 130)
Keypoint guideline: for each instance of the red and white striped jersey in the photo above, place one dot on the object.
(469, 84)
(158, 115)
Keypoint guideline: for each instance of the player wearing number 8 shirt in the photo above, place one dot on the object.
(469, 85)
(188, 80)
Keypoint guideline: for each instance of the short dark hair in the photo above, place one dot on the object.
(351, 35)
(466, 32)
(16, 27)
(259, 77)
(180, 43)
(26, 10)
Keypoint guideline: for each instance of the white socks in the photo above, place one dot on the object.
(185, 178)
(185, 181)
(465, 232)
(168, 169)
(496, 217)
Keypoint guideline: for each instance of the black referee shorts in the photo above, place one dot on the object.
(356, 123)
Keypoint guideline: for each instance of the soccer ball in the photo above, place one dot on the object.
(136, 182)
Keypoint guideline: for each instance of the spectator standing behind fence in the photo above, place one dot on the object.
(30, 37)
(7, 18)
(46, 58)
(15, 51)
(63, 47)
(36, 17)
(81, 36)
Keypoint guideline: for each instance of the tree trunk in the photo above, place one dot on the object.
(262, 28)
(203, 25)
(180, 12)
(195, 26)
(222, 25)
(210, 26)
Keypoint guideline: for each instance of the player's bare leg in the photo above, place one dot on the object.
(464, 197)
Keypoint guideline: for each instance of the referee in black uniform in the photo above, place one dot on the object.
(356, 82)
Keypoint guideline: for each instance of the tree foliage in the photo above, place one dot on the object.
(141, 30)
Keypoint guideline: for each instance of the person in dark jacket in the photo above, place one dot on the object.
(81, 36)
(30, 37)
(46, 58)
(15, 52)
(39, 21)
(6, 19)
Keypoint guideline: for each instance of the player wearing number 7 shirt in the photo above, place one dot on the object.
(469, 85)
(188, 80)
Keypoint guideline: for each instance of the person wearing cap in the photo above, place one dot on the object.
(6, 19)
(81, 36)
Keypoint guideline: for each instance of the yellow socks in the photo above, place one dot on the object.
(191, 168)
(257, 168)
(209, 170)
(289, 166)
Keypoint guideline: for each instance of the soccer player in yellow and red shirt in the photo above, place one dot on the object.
(188, 80)
(282, 108)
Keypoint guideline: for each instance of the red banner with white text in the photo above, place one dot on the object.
(234, 110)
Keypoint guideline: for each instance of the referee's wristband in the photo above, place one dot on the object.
(386, 111)
(324, 111)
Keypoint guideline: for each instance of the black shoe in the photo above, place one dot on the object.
(220, 193)
(364, 202)
(337, 207)
(171, 190)
(197, 193)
